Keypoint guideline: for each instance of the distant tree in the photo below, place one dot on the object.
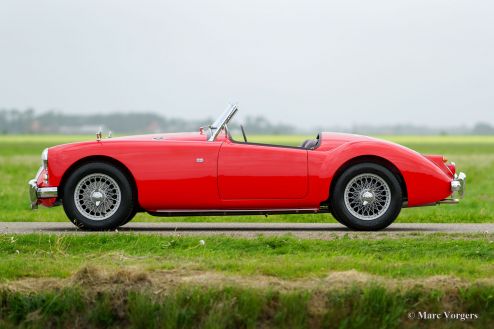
(482, 128)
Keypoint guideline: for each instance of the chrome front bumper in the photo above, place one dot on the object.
(458, 185)
(36, 193)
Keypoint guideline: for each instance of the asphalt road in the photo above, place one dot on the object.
(303, 230)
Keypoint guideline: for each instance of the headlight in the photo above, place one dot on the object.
(44, 159)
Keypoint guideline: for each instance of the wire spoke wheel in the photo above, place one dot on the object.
(367, 196)
(97, 196)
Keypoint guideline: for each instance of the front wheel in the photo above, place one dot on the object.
(98, 196)
(367, 197)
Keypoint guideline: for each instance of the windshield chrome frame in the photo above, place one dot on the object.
(223, 119)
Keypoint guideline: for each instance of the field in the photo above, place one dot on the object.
(20, 159)
(146, 281)
(119, 279)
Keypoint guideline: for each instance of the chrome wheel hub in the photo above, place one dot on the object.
(97, 196)
(367, 196)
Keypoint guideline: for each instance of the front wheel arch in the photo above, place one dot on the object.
(101, 159)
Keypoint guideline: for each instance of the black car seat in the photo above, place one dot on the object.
(310, 144)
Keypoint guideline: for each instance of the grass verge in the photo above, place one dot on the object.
(149, 281)
(415, 256)
(229, 307)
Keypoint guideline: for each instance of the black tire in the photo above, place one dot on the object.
(122, 211)
(335, 216)
(349, 210)
(131, 216)
(338, 219)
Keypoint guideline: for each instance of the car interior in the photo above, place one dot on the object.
(310, 144)
(241, 137)
(222, 124)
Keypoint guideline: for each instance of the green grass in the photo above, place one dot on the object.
(230, 307)
(42, 255)
(20, 158)
(401, 268)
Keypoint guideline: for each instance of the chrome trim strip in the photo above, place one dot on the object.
(40, 170)
(444, 201)
(237, 210)
(233, 212)
(449, 201)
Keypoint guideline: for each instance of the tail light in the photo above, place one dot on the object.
(452, 167)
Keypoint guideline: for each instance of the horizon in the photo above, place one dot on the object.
(31, 121)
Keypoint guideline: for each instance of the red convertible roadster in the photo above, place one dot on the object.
(364, 182)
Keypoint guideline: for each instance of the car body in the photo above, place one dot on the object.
(208, 172)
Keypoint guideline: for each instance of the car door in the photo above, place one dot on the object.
(176, 174)
(257, 171)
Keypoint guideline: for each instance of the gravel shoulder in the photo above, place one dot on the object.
(246, 230)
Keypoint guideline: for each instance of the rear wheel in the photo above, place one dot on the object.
(131, 216)
(366, 196)
(98, 196)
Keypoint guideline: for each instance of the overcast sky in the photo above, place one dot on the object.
(300, 62)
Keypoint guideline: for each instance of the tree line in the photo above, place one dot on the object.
(15, 121)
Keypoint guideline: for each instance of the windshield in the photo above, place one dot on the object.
(222, 120)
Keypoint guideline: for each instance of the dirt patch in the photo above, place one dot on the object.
(91, 276)
(33, 284)
(94, 279)
(343, 278)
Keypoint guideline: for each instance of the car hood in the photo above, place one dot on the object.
(186, 136)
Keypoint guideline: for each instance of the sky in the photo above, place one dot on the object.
(306, 63)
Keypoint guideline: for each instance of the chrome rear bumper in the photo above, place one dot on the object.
(36, 193)
(458, 185)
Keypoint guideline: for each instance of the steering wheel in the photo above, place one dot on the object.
(243, 133)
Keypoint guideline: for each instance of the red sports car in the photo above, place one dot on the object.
(364, 182)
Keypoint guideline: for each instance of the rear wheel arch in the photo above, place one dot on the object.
(370, 159)
(101, 159)
(367, 196)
